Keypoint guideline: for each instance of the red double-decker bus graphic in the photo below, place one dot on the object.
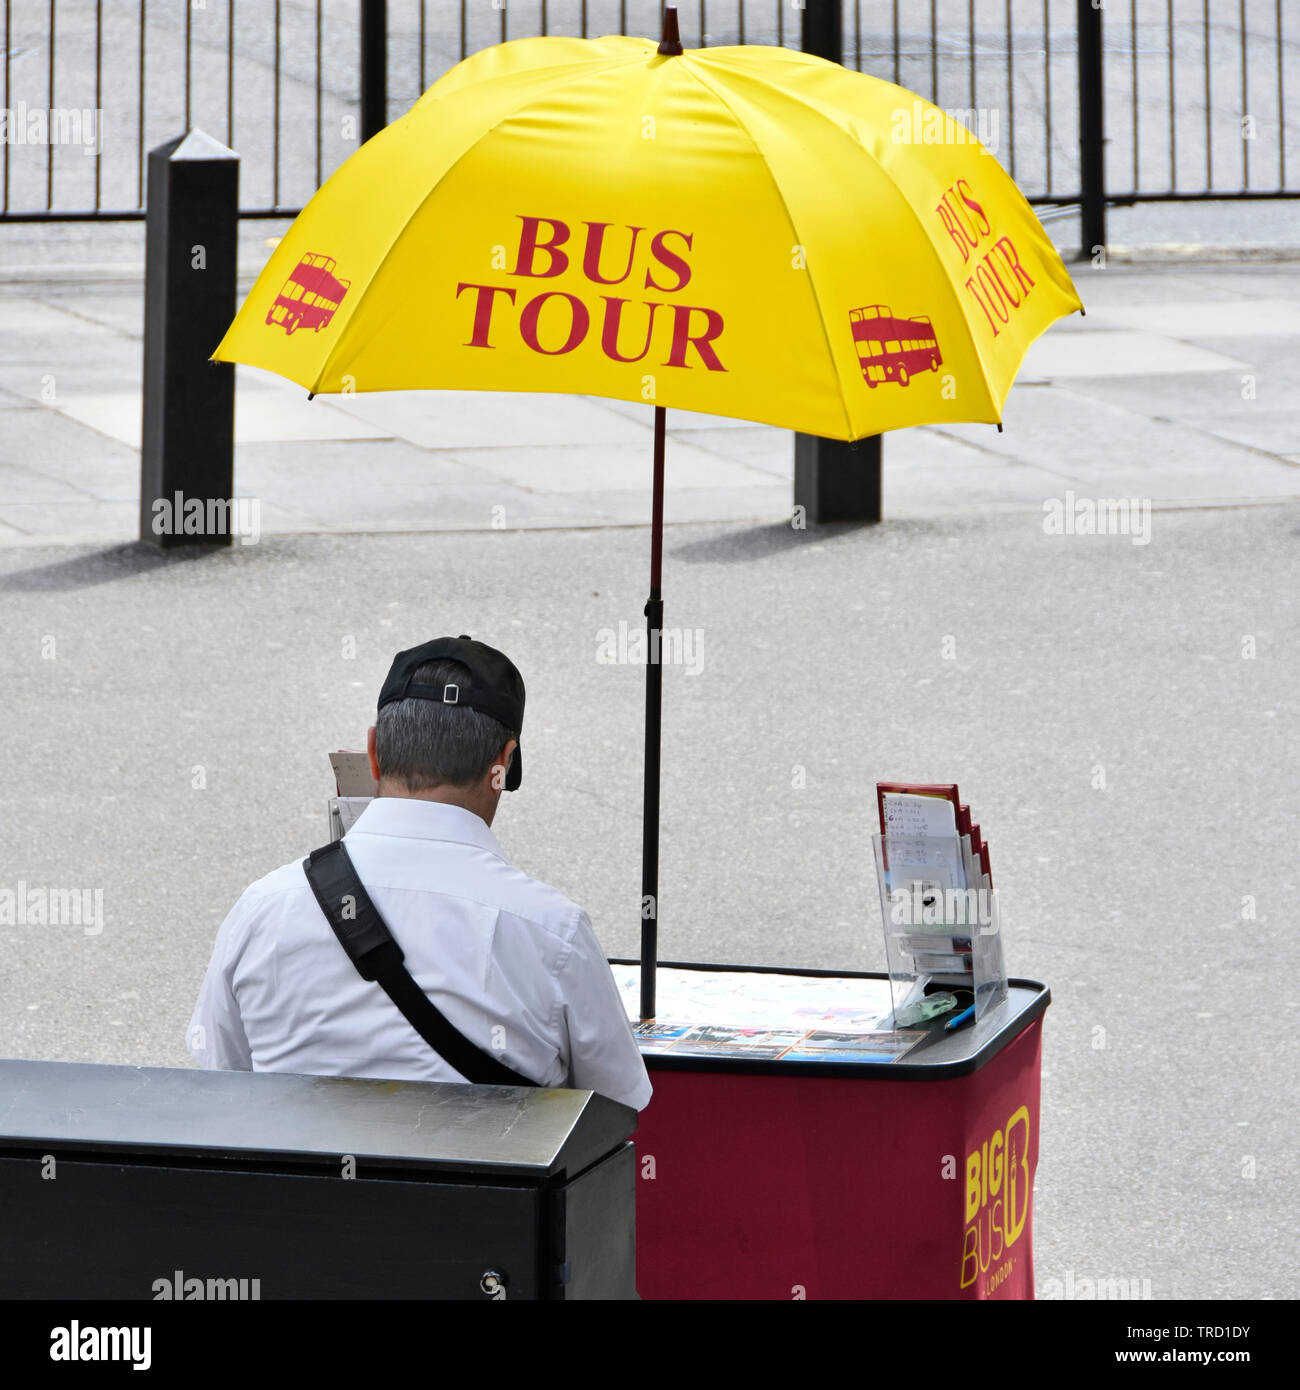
(310, 295)
(893, 349)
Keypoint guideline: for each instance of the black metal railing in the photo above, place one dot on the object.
(1171, 100)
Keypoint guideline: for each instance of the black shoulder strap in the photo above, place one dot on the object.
(370, 946)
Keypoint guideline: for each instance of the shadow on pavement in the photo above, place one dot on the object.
(103, 567)
(758, 542)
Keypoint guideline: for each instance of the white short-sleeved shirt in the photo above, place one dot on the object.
(493, 948)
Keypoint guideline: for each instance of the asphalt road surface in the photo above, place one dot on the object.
(1122, 718)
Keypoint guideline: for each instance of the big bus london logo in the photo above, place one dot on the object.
(891, 348)
(310, 296)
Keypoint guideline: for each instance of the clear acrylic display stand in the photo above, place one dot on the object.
(941, 922)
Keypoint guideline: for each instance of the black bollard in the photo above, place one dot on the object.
(187, 445)
(833, 481)
(837, 481)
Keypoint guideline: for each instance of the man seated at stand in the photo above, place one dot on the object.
(521, 992)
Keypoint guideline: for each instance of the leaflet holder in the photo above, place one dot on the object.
(941, 922)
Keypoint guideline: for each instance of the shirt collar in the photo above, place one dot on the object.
(410, 818)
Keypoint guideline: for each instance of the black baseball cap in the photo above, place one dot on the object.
(496, 689)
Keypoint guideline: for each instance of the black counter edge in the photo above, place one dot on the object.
(842, 1071)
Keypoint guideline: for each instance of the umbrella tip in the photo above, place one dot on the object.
(671, 43)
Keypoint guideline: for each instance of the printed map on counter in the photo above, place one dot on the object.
(761, 1017)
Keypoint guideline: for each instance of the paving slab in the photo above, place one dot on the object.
(583, 468)
(1206, 319)
(491, 419)
(73, 521)
(328, 468)
(26, 485)
(1094, 352)
(1107, 446)
(45, 440)
(758, 447)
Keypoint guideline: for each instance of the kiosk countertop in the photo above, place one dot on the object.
(935, 1058)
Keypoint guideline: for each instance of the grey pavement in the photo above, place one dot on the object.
(1135, 769)
(1180, 385)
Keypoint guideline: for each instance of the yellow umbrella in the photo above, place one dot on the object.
(750, 232)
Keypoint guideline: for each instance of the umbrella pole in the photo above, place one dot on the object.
(654, 613)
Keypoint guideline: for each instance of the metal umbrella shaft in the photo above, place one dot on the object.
(654, 614)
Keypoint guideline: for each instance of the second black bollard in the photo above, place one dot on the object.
(187, 443)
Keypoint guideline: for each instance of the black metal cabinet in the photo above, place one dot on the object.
(145, 1183)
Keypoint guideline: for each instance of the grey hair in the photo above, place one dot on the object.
(425, 744)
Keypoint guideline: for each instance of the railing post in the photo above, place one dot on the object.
(187, 440)
(833, 480)
(374, 67)
(823, 29)
(1092, 131)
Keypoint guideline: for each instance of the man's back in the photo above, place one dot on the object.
(513, 964)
